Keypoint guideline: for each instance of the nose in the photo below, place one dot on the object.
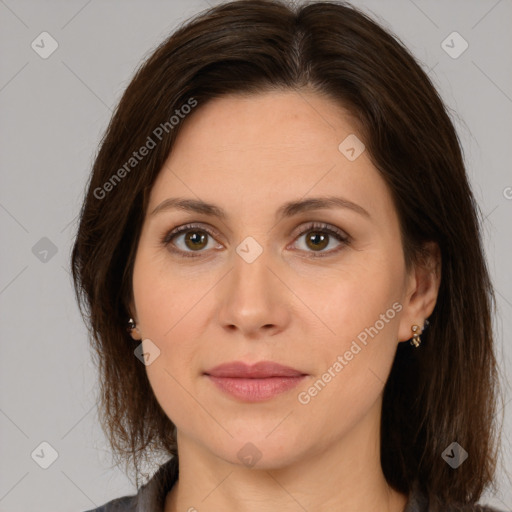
(254, 299)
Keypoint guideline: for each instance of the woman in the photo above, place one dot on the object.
(278, 210)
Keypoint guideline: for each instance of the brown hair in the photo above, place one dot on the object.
(442, 392)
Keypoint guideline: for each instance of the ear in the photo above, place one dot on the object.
(422, 287)
(135, 334)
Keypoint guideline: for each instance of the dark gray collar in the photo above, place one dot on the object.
(151, 496)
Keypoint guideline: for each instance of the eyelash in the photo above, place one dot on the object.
(314, 226)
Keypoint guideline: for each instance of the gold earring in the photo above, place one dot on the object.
(416, 340)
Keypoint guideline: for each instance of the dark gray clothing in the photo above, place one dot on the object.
(151, 496)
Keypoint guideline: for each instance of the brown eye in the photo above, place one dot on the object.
(317, 240)
(189, 239)
(319, 236)
(195, 240)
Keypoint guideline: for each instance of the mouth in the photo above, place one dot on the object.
(259, 370)
(254, 383)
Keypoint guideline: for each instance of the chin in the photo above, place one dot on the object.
(260, 452)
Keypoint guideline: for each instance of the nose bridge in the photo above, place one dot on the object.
(253, 295)
(251, 275)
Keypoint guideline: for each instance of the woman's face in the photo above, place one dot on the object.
(263, 284)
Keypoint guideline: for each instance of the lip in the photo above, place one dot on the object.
(254, 383)
(259, 370)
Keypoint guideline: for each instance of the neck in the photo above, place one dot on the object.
(345, 476)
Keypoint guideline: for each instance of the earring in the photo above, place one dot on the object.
(416, 340)
(131, 325)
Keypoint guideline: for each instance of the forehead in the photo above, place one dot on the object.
(278, 145)
(267, 123)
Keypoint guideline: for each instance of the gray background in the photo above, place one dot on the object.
(53, 113)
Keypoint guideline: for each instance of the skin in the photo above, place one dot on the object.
(249, 155)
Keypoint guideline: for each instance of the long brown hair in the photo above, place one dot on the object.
(442, 392)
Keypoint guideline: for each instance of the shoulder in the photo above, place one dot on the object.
(470, 508)
(478, 508)
(419, 502)
(124, 504)
(150, 496)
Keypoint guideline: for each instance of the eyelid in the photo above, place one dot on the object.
(179, 230)
(320, 226)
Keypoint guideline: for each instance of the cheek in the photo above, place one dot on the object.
(164, 316)
(174, 372)
(163, 295)
(347, 300)
(354, 364)
(359, 326)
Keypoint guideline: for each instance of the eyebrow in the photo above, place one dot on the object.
(288, 209)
